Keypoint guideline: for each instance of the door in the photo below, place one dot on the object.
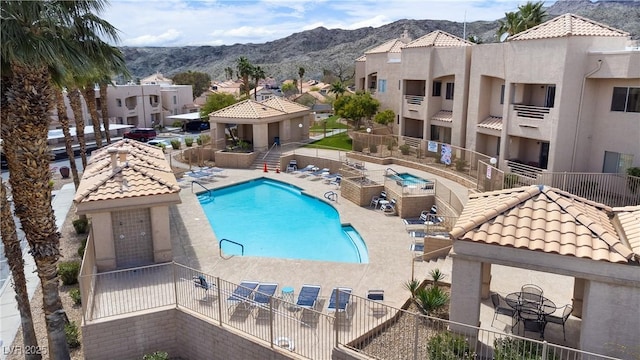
(544, 155)
(132, 237)
(550, 96)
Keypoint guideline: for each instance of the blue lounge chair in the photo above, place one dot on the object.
(201, 282)
(339, 301)
(303, 172)
(242, 295)
(262, 296)
(390, 208)
(318, 174)
(308, 296)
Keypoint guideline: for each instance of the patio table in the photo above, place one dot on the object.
(525, 307)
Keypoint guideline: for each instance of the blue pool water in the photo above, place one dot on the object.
(275, 219)
(409, 179)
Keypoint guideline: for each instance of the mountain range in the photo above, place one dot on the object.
(321, 49)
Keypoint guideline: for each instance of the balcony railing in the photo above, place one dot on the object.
(533, 112)
(414, 99)
(365, 326)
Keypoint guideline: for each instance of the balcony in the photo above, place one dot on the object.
(414, 107)
(531, 112)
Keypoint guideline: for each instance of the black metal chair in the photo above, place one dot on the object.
(531, 293)
(561, 320)
(532, 322)
(501, 307)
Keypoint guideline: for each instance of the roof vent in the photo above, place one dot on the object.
(112, 151)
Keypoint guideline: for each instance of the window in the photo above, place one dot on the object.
(616, 163)
(626, 99)
(501, 94)
(449, 95)
(175, 99)
(437, 88)
(550, 96)
(382, 85)
(119, 102)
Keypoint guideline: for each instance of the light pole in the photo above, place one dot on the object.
(493, 161)
(369, 139)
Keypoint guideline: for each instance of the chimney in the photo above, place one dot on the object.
(123, 155)
(114, 160)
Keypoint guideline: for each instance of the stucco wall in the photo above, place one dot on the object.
(235, 160)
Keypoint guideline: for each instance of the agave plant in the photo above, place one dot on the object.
(412, 286)
(436, 276)
(432, 299)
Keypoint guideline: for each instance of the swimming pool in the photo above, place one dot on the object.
(275, 219)
(407, 179)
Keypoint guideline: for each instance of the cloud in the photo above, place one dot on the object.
(169, 36)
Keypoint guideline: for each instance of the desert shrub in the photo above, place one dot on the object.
(203, 139)
(83, 245)
(511, 348)
(412, 286)
(448, 346)
(177, 124)
(73, 334)
(431, 299)
(75, 296)
(188, 141)
(158, 355)
(357, 147)
(81, 225)
(373, 148)
(510, 180)
(460, 164)
(390, 144)
(436, 276)
(69, 271)
(404, 149)
(175, 144)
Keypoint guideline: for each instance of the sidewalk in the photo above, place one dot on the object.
(9, 314)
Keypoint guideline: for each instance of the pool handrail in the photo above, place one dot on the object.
(393, 171)
(233, 242)
(204, 187)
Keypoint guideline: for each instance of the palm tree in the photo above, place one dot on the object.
(301, 74)
(258, 74)
(244, 70)
(104, 109)
(90, 98)
(68, 139)
(75, 97)
(338, 88)
(511, 25)
(228, 72)
(532, 14)
(41, 40)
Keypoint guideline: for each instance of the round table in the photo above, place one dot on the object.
(543, 307)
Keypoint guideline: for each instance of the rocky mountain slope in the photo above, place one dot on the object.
(322, 49)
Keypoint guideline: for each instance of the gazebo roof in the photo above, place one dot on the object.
(126, 169)
(545, 219)
(247, 109)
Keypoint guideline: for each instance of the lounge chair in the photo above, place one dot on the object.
(262, 296)
(318, 174)
(336, 182)
(201, 282)
(303, 172)
(376, 298)
(293, 166)
(339, 302)
(328, 178)
(375, 201)
(308, 297)
(390, 208)
(242, 295)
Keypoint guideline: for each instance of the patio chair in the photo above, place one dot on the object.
(318, 174)
(375, 201)
(561, 319)
(201, 282)
(376, 297)
(532, 322)
(308, 297)
(242, 295)
(531, 293)
(293, 166)
(390, 208)
(262, 296)
(339, 302)
(501, 307)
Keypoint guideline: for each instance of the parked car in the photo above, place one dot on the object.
(197, 126)
(157, 142)
(141, 134)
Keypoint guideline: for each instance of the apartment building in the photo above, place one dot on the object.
(562, 96)
(148, 105)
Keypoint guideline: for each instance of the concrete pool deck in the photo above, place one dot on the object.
(390, 258)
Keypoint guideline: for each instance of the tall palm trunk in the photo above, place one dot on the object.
(76, 108)
(68, 139)
(90, 99)
(13, 252)
(105, 112)
(29, 101)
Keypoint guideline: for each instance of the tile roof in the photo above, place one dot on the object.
(284, 105)
(443, 115)
(567, 25)
(391, 46)
(438, 38)
(629, 220)
(491, 122)
(362, 58)
(247, 109)
(545, 219)
(144, 172)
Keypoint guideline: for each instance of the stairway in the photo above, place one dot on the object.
(272, 159)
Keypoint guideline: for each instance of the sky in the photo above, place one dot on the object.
(228, 22)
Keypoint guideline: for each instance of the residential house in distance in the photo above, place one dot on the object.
(156, 79)
(562, 96)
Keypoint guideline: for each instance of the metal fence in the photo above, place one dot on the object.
(362, 325)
